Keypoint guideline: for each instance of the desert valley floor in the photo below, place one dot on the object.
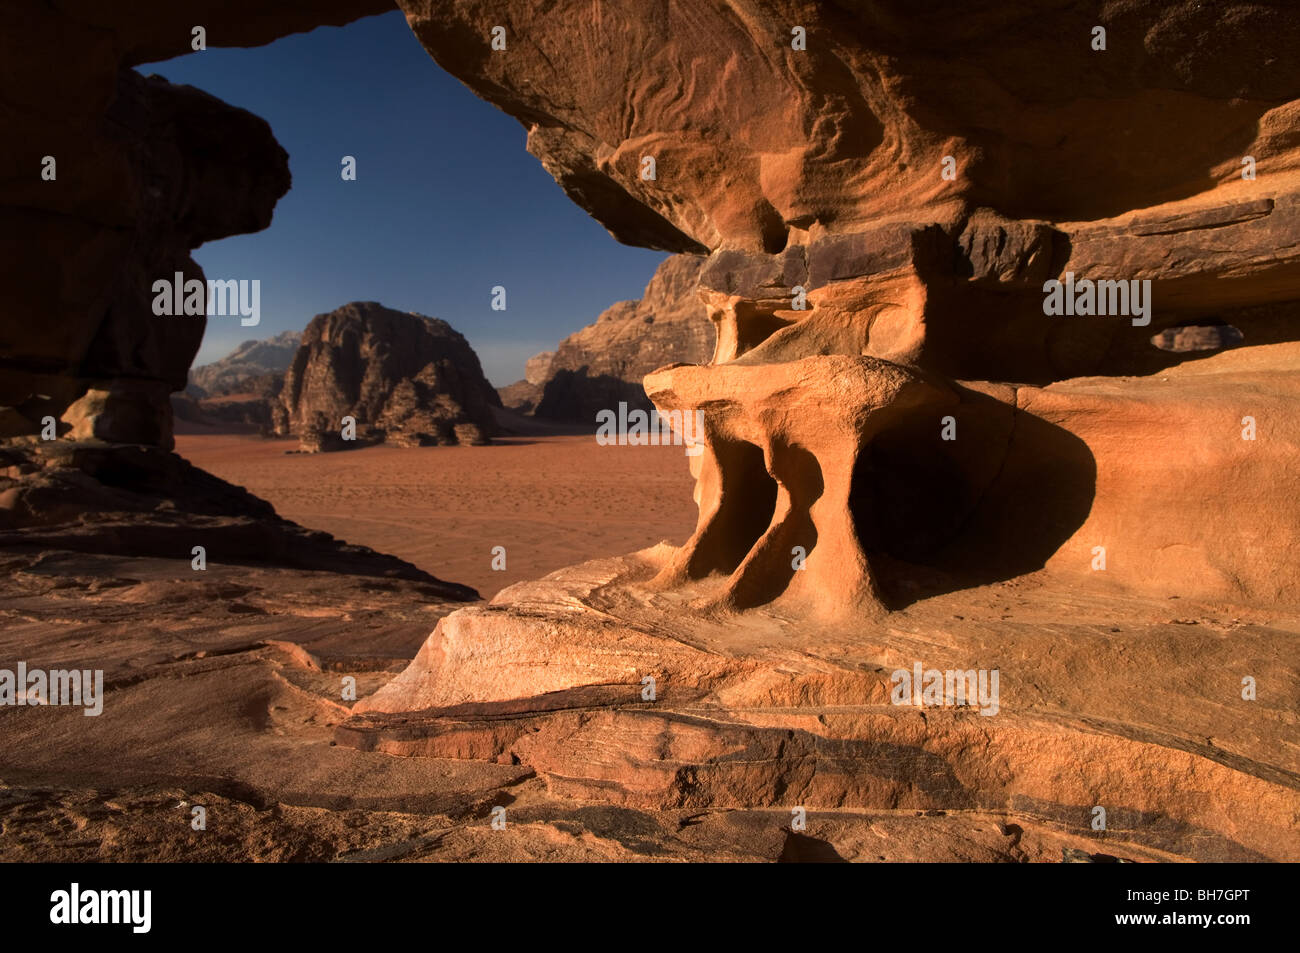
(551, 501)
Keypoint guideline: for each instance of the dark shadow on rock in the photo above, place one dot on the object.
(131, 500)
(576, 396)
(802, 849)
(936, 515)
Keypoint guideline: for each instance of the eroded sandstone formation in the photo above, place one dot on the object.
(402, 378)
(901, 188)
(143, 171)
(908, 452)
(120, 214)
(883, 191)
(108, 180)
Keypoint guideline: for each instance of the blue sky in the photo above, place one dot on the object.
(446, 205)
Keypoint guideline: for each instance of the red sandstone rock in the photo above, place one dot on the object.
(812, 176)
(888, 395)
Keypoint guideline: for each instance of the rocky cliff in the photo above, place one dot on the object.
(523, 394)
(604, 363)
(402, 378)
(240, 390)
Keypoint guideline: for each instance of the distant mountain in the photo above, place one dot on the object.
(404, 378)
(236, 372)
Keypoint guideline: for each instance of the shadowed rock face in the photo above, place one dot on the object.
(603, 364)
(81, 318)
(403, 378)
(144, 171)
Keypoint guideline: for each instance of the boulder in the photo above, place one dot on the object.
(122, 411)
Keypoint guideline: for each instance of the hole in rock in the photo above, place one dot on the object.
(411, 192)
(801, 475)
(747, 506)
(909, 496)
(1205, 333)
(773, 228)
(753, 327)
(934, 516)
(1205, 336)
(1004, 335)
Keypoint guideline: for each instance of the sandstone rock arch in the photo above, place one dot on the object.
(816, 169)
(820, 170)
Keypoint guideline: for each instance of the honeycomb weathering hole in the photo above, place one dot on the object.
(909, 498)
(1198, 337)
(935, 516)
(769, 569)
(748, 502)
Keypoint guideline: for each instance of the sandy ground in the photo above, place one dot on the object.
(551, 501)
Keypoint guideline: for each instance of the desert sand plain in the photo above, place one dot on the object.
(550, 500)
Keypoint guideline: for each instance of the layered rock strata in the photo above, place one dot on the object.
(884, 193)
(913, 446)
